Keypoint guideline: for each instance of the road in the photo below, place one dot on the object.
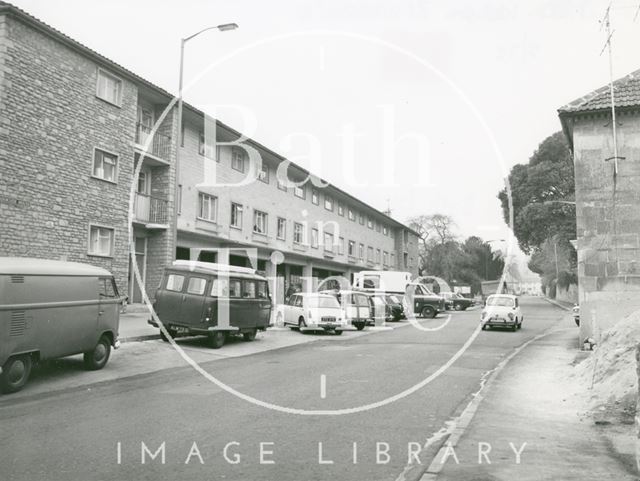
(96, 431)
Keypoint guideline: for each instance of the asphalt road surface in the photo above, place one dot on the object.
(100, 431)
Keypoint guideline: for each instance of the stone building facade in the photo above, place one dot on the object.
(75, 129)
(607, 202)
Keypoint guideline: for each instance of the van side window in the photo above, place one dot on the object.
(220, 287)
(196, 285)
(298, 301)
(175, 282)
(234, 288)
(263, 292)
(362, 301)
(292, 300)
(249, 289)
(107, 287)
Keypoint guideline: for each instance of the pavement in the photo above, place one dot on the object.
(134, 326)
(526, 423)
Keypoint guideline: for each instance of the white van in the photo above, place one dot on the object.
(387, 281)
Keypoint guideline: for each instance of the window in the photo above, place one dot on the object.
(328, 203)
(314, 238)
(263, 174)
(369, 223)
(109, 88)
(237, 159)
(281, 185)
(341, 246)
(361, 218)
(340, 209)
(259, 222)
(385, 231)
(263, 292)
(361, 251)
(234, 288)
(107, 287)
(299, 191)
(352, 248)
(100, 241)
(385, 258)
(369, 254)
(248, 289)
(220, 287)
(236, 215)
(298, 233)
(175, 282)
(328, 242)
(378, 256)
(201, 144)
(352, 215)
(282, 228)
(207, 206)
(315, 196)
(105, 165)
(378, 227)
(196, 286)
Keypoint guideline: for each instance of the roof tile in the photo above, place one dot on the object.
(626, 91)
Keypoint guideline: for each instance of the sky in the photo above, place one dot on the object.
(420, 105)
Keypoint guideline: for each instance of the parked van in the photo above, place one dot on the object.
(382, 281)
(51, 309)
(215, 300)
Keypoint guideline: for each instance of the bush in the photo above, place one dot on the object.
(566, 278)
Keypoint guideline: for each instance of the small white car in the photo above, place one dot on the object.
(312, 312)
(502, 310)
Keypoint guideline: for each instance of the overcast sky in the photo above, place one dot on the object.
(472, 81)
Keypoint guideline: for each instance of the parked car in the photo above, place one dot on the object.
(312, 312)
(502, 310)
(357, 305)
(456, 301)
(51, 309)
(394, 304)
(425, 303)
(203, 298)
(387, 281)
(576, 314)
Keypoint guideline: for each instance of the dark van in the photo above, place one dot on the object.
(215, 300)
(51, 309)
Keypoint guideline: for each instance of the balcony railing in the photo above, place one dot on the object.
(150, 210)
(160, 145)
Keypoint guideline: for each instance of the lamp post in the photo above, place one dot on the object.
(222, 28)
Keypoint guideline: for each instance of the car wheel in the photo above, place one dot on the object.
(359, 325)
(171, 332)
(457, 307)
(249, 336)
(99, 355)
(217, 339)
(484, 327)
(338, 333)
(514, 328)
(302, 324)
(428, 312)
(15, 373)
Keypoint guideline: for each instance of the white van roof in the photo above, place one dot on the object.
(48, 267)
(212, 266)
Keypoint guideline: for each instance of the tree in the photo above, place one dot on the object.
(432, 229)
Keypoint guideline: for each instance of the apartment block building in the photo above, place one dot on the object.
(74, 129)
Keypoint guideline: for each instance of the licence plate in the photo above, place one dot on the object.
(180, 330)
(329, 319)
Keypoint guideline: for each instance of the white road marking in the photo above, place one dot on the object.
(323, 386)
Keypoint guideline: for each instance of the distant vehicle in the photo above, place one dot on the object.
(386, 281)
(214, 300)
(456, 301)
(425, 303)
(394, 305)
(357, 305)
(51, 309)
(576, 314)
(312, 312)
(502, 310)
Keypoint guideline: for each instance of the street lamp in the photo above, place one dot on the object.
(222, 28)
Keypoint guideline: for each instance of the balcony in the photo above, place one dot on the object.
(159, 147)
(151, 211)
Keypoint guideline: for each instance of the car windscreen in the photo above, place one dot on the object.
(500, 301)
(324, 302)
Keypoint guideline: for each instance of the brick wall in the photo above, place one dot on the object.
(51, 123)
(608, 220)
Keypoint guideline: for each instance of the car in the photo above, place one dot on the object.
(51, 309)
(459, 302)
(576, 314)
(502, 310)
(425, 303)
(357, 305)
(214, 300)
(312, 311)
(394, 305)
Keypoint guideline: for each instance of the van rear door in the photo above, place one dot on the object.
(169, 298)
(191, 310)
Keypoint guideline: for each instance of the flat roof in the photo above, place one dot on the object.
(47, 267)
(7, 8)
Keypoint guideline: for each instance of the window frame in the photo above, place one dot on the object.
(116, 167)
(284, 228)
(259, 213)
(314, 238)
(328, 246)
(204, 286)
(352, 252)
(296, 232)
(264, 169)
(243, 154)
(328, 199)
(315, 194)
(300, 188)
(341, 209)
(111, 243)
(199, 216)
(241, 209)
(120, 82)
(352, 215)
(166, 282)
